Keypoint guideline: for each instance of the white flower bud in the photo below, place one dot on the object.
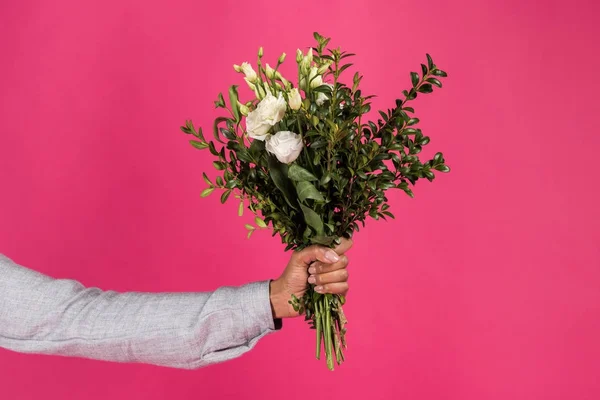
(260, 52)
(269, 71)
(299, 56)
(281, 58)
(294, 99)
(246, 68)
(243, 109)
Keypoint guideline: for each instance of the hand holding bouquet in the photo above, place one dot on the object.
(306, 163)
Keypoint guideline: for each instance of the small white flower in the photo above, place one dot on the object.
(321, 97)
(269, 111)
(295, 100)
(285, 145)
(314, 78)
(246, 68)
(281, 58)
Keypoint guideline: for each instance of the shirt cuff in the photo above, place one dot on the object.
(256, 308)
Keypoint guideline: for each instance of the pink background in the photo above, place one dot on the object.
(487, 286)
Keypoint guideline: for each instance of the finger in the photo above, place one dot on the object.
(341, 275)
(320, 268)
(334, 288)
(317, 253)
(344, 246)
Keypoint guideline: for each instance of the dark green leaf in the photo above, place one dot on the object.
(233, 102)
(424, 69)
(435, 81)
(306, 190)
(279, 173)
(429, 61)
(297, 173)
(414, 77)
(442, 168)
(208, 182)
(225, 196)
(439, 72)
(312, 219)
(219, 165)
(425, 88)
(216, 128)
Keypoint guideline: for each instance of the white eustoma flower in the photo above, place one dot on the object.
(321, 97)
(313, 77)
(247, 70)
(295, 101)
(285, 145)
(269, 111)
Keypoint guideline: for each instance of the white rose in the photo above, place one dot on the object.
(285, 145)
(269, 111)
(295, 100)
(246, 68)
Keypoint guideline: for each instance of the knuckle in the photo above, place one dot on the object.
(344, 275)
(344, 260)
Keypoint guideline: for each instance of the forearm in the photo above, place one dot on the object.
(39, 314)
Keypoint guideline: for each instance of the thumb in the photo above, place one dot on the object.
(316, 253)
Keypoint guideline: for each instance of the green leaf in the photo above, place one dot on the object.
(249, 234)
(216, 129)
(207, 192)
(219, 165)
(249, 227)
(208, 182)
(199, 145)
(260, 223)
(322, 240)
(233, 102)
(306, 190)
(435, 81)
(438, 158)
(219, 181)
(297, 173)
(220, 102)
(279, 173)
(414, 77)
(425, 88)
(312, 219)
(225, 196)
(429, 61)
(424, 69)
(442, 168)
(439, 72)
(241, 208)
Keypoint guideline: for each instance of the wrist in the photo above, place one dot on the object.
(279, 300)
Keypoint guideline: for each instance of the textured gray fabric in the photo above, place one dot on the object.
(42, 315)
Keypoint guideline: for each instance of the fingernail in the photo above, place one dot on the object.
(312, 270)
(312, 279)
(319, 289)
(331, 256)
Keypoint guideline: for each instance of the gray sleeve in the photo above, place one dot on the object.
(42, 315)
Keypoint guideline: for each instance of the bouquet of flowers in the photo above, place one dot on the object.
(306, 162)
